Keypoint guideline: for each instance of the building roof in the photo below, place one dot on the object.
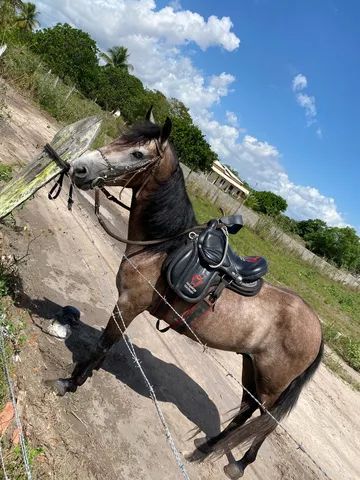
(229, 176)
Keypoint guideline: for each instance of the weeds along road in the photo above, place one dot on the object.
(109, 429)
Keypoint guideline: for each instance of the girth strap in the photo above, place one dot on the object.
(193, 313)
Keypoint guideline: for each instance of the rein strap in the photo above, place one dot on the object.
(135, 242)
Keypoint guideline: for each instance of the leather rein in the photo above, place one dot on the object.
(56, 189)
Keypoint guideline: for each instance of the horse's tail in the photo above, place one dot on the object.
(263, 425)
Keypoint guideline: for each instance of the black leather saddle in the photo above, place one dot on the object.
(207, 264)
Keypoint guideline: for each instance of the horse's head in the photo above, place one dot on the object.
(127, 160)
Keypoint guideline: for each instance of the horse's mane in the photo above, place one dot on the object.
(139, 133)
(168, 210)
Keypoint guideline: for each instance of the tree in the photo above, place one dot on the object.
(289, 225)
(27, 18)
(308, 227)
(340, 245)
(117, 57)
(191, 145)
(117, 89)
(267, 202)
(8, 10)
(70, 53)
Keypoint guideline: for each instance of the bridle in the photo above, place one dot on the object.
(98, 186)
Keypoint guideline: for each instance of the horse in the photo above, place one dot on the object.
(277, 334)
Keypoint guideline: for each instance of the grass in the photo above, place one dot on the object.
(336, 367)
(14, 461)
(14, 338)
(338, 306)
(24, 69)
(5, 173)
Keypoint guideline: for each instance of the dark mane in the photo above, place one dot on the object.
(168, 212)
(140, 133)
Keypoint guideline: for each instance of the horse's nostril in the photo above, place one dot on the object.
(80, 171)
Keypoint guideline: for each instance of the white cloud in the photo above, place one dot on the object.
(111, 20)
(299, 82)
(308, 103)
(259, 163)
(232, 118)
(305, 101)
(155, 39)
(319, 132)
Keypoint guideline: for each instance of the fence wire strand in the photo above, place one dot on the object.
(3, 462)
(23, 449)
(168, 435)
(228, 373)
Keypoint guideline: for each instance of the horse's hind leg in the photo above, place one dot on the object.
(83, 370)
(247, 408)
(235, 470)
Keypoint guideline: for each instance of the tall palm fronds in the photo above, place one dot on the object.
(117, 57)
(27, 18)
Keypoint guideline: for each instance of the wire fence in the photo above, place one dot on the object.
(207, 351)
(169, 437)
(23, 449)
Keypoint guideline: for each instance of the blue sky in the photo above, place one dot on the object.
(236, 75)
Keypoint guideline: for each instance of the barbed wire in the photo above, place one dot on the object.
(23, 449)
(169, 437)
(228, 373)
(3, 462)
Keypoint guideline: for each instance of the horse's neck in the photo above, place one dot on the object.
(152, 211)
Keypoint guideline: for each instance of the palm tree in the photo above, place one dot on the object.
(27, 19)
(117, 57)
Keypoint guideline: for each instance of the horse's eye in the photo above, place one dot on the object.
(137, 154)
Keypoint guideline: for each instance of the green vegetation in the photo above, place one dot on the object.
(69, 53)
(117, 57)
(337, 305)
(14, 460)
(335, 365)
(266, 202)
(55, 64)
(27, 18)
(14, 338)
(340, 245)
(5, 173)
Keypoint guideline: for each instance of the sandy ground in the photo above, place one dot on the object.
(109, 429)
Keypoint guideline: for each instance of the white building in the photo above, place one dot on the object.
(227, 181)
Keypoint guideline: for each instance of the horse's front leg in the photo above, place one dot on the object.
(120, 319)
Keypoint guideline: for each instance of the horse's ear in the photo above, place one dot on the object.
(149, 115)
(165, 131)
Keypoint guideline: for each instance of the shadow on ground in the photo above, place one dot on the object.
(170, 383)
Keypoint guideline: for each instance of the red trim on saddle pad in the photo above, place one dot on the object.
(252, 259)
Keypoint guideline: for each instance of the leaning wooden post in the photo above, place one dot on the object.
(70, 142)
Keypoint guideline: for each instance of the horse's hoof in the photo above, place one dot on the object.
(195, 456)
(201, 451)
(202, 445)
(234, 470)
(60, 386)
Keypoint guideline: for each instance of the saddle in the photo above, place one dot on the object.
(206, 264)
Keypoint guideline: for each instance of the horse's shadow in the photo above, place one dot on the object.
(171, 384)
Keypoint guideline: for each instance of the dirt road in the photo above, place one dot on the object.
(109, 429)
